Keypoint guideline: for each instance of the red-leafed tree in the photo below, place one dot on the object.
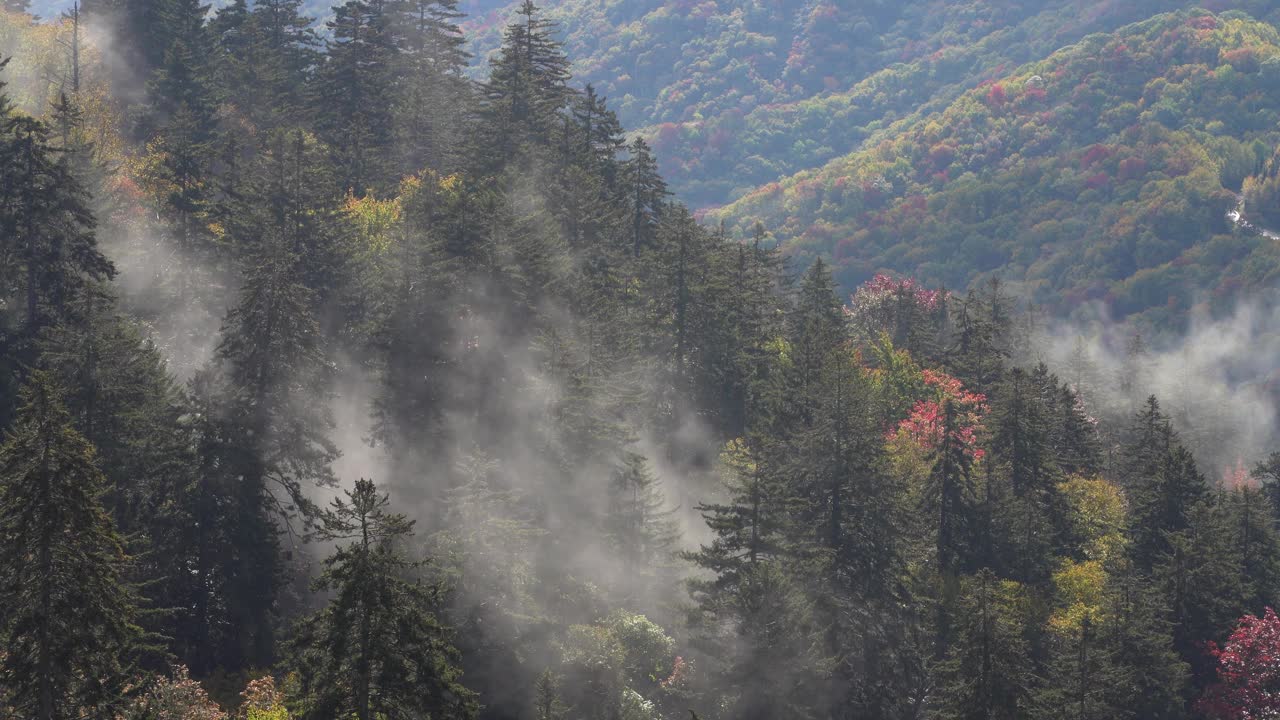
(1248, 686)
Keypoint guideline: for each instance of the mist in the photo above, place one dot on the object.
(1216, 380)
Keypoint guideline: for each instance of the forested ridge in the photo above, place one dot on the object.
(339, 384)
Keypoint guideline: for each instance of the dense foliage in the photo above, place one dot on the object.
(1104, 172)
(340, 385)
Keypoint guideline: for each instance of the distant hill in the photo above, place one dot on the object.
(1104, 171)
(735, 94)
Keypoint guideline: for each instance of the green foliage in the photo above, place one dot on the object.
(378, 648)
(69, 629)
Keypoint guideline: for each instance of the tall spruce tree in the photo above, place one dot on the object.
(354, 97)
(69, 627)
(378, 649)
(987, 673)
(526, 91)
(277, 386)
(52, 261)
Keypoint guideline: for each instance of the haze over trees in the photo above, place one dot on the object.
(339, 384)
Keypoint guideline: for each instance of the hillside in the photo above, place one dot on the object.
(1101, 172)
(735, 94)
(336, 385)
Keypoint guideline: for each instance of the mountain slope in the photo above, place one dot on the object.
(735, 94)
(1102, 172)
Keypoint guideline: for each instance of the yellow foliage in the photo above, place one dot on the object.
(375, 221)
(908, 461)
(780, 348)
(1078, 588)
(736, 458)
(262, 700)
(1097, 515)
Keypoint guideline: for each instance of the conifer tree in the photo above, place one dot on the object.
(378, 649)
(526, 90)
(277, 381)
(948, 501)
(1147, 678)
(639, 521)
(1199, 576)
(433, 97)
(49, 228)
(1163, 503)
(1078, 683)
(354, 95)
(980, 344)
(815, 329)
(1256, 543)
(69, 624)
(47, 236)
(987, 674)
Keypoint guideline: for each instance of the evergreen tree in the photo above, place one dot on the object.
(639, 523)
(1256, 544)
(264, 57)
(278, 388)
(1164, 502)
(433, 97)
(526, 91)
(47, 238)
(1198, 573)
(949, 495)
(1078, 685)
(1147, 678)
(987, 673)
(645, 195)
(378, 649)
(980, 346)
(354, 95)
(69, 624)
(816, 329)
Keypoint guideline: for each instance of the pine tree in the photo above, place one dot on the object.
(846, 536)
(1164, 502)
(815, 329)
(987, 673)
(774, 671)
(1075, 441)
(526, 90)
(68, 629)
(639, 523)
(487, 552)
(1078, 684)
(1147, 678)
(1199, 575)
(263, 57)
(354, 95)
(433, 97)
(645, 195)
(1257, 545)
(547, 704)
(980, 346)
(949, 495)
(49, 227)
(378, 649)
(277, 381)
(47, 237)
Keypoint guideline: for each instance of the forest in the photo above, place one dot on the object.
(340, 380)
